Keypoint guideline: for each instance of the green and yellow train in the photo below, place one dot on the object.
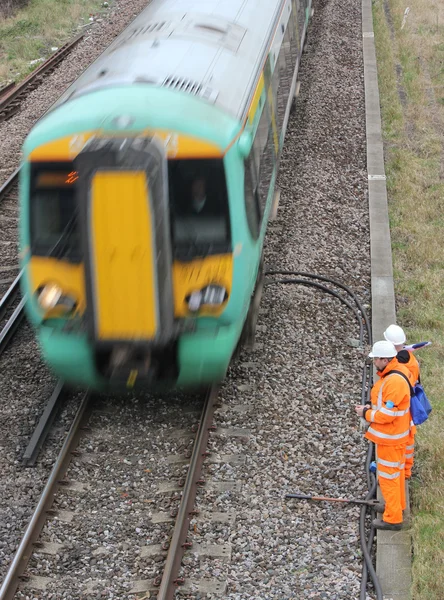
(146, 191)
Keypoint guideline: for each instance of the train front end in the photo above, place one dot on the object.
(127, 249)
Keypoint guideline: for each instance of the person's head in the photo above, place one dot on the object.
(198, 192)
(396, 336)
(382, 353)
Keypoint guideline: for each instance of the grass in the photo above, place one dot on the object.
(411, 81)
(32, 31)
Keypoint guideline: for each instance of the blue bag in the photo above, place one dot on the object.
(420, 407)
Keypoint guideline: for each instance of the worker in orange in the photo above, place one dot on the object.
(396, 335)
(389, 418)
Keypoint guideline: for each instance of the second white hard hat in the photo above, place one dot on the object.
(395, 334)
(383, 349)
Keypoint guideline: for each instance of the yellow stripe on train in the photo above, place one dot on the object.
(176, 145)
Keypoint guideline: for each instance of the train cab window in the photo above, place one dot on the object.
(200, 220)
(54, 223)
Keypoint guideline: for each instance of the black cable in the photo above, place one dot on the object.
(328, 291)
(368, 567)
(337, 284)
(367, 377)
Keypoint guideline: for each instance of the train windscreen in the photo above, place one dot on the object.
(54, 216)
(199, 213)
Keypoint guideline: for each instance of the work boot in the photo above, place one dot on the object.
(381, 524)
(379, 507)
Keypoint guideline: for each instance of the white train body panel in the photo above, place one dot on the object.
(211, 48)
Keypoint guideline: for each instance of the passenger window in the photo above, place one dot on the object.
(251, 201)
(200, 223)
(282, 77)
(295, 36)
(302, 4)
(263, 149)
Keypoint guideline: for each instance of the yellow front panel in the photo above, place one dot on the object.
(193, 276)
(123, 259)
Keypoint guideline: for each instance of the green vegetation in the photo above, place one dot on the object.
(32, 31)
(411, 80)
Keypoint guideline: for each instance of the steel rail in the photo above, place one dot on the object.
(24, 552)
(176, 550)
(44, 425)
(16, 93)
(14, 320)
(5, 188)
(11, 325)
(7, 88)
(12, 292)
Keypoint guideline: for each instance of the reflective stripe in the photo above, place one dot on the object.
(409, 455)
(387, 475)
(389, 463)
(372, 415)
(395, 413)
(412, 424)
(412, 447)
(380, 395)
(401, 413)
(387, 436)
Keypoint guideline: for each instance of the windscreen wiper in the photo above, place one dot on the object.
(60, 247)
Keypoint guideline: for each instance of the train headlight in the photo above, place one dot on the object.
(51, 297)
(212, 295)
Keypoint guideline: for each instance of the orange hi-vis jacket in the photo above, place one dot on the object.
(407, 358)
(389, 416)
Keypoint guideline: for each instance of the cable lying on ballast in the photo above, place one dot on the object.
(367, 376)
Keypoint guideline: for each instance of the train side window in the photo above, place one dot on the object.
(282, 77)
(263, 149)
(295, 35)
(251, 200)
(302, 4)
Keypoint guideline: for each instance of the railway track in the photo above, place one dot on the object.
(161, 508)
(11, 305)
(290, 402)
(12, 95)
(11, 313)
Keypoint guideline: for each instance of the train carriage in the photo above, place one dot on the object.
(147, 188)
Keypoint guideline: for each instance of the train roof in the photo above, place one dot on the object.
(212, 49)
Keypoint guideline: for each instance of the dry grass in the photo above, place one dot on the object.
(411, 79)
(32, 31)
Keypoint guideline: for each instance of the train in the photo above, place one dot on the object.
(146, 190)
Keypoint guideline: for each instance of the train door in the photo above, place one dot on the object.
(123, 195)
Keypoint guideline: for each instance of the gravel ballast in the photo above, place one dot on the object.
(290, 401)
(294, 397)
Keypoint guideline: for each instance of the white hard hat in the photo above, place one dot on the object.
(383, 349)
(395, 334)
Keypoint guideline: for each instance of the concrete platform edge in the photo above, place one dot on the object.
(393, 555)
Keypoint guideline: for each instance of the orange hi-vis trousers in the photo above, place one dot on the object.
(409, 453)
(391, 477)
